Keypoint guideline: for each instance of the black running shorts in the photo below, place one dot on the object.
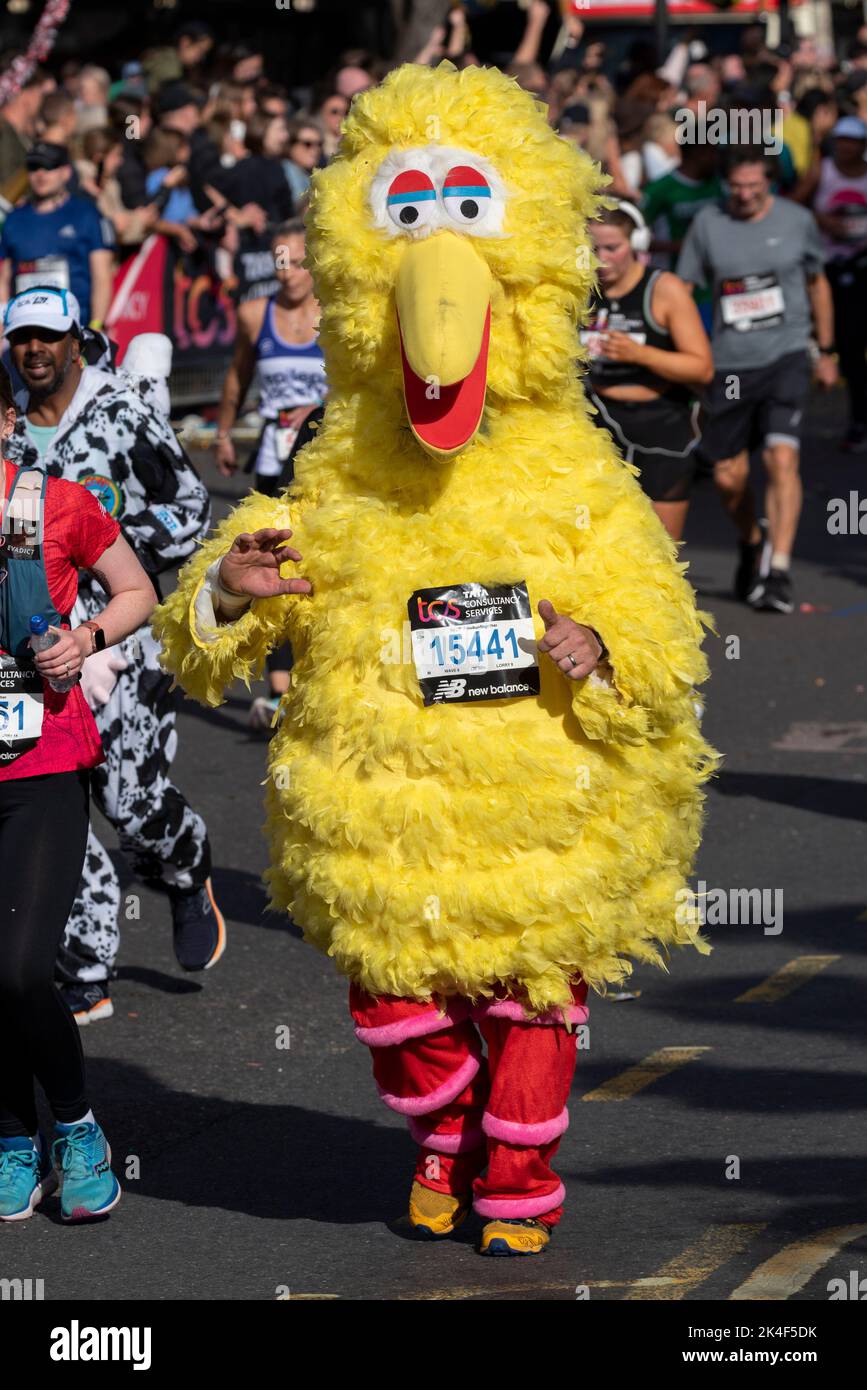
(659, 437)
(742, 410)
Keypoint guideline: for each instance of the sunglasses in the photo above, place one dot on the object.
(309, 144)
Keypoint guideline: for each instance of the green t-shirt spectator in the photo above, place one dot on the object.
(673, 201)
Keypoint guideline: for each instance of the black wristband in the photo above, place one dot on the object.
(604, 654)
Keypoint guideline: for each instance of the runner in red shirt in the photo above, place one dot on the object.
(48, 741)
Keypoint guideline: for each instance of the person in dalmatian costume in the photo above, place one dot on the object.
(109, 431)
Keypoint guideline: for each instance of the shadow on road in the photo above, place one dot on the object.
(827, 796)
(278, 1162)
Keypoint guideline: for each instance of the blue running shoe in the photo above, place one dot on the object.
(199, 927)
(88, 1187)
(26, 1176)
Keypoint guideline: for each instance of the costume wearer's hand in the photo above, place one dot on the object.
(252, 566)
(99, 675)
(570, 645)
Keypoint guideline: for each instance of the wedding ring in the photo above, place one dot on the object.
(571, 658)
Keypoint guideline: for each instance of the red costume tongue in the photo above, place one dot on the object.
(451, 421)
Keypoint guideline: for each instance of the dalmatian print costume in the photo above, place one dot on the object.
(113, 442)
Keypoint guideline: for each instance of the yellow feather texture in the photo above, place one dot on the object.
(458, 849)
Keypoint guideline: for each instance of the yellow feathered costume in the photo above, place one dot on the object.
(550, 834)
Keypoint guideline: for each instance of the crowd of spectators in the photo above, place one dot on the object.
(198, 142)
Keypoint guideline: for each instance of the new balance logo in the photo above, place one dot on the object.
(449, 690)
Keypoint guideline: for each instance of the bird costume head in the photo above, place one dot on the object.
(444, 249)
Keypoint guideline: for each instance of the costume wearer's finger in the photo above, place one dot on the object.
(571, 646)
(547, 612)
(270, 536)
(287, 552)
(576, 672)
(559, 631)
(295, 586)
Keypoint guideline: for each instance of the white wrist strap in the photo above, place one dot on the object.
(230, 605)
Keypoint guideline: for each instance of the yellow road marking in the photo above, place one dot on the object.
(291, 1297)
(650, 1069)
(796, 1264)
(790, 977)
(487, 1291)
(686, 1271)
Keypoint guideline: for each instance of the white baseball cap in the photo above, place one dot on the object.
(850, 128)
(43, 306)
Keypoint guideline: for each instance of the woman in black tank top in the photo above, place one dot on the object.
(648, 353)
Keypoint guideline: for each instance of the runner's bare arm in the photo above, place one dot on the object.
(822, 305)
(131, 602)
(690, 363)
(102, 279)
(243, 364)
(675, 308)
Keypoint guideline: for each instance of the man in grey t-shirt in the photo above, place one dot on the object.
(763, 259)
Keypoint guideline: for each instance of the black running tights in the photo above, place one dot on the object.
(43, 833)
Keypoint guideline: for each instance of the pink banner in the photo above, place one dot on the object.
(139, 294)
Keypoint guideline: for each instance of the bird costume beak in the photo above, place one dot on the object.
(443, 295)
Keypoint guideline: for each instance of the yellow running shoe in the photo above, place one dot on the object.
(525, 1237)
(435, 1214)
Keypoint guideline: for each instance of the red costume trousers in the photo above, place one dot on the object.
(490, 1125)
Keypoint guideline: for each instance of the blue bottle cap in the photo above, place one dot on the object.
(38, 625)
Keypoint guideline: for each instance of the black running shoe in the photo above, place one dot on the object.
(88, 1003)
(776, 593)
(751, 564)
(199, 928)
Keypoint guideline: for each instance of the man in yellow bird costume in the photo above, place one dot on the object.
(475, 827)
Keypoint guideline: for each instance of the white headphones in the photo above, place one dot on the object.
(639, 240)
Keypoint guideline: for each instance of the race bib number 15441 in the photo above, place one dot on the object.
(473, 642)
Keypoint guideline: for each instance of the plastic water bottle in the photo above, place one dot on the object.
(40, 640)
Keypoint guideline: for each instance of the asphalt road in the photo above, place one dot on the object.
(266, 1173)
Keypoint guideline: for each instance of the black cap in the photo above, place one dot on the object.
(576, 114)
(194, 29)
(173, 96)
(45, 155)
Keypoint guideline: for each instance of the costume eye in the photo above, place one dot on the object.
(411, 200)
(466, 194)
